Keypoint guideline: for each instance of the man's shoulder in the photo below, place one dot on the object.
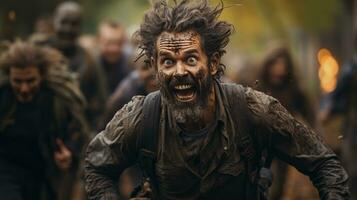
(258, 103)
(251, 95)
(134, 105)
(129, 116)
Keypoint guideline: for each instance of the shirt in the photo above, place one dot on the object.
(19, 142)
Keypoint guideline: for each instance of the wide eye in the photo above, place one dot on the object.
(191, 61)
(168, 62)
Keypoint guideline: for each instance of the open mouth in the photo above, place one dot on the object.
(185, 92)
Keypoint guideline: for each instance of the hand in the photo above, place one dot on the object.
(63, 156)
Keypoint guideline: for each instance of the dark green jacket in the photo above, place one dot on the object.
(224, 170)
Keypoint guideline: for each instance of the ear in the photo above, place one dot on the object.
(214, 61)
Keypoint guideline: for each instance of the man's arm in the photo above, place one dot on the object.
(112, 151)
(298, 145)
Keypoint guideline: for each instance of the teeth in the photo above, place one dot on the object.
(182, 87)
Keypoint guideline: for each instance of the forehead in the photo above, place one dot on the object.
(24, 72)
(68, 15)
(178, 41)
(108, 32)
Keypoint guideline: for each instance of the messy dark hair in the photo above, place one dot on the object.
(181, 17)
(24, 54)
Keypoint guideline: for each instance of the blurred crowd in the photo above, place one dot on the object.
(59, 88)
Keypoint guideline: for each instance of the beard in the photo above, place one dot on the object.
(26, 97)
(190, 111)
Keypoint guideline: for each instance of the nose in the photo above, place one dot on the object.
(24, 87)
(180, 69)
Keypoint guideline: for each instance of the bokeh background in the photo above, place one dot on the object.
(306, 26)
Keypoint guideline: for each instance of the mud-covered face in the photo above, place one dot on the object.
(25, 83)
(184, 74)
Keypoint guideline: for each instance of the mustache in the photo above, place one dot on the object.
(181, 80)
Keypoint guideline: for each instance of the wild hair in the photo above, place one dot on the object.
(24, 54)
(181, 17)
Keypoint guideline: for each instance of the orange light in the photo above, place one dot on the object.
(322, 54)
(328, 70)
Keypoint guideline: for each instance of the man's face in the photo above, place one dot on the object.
(67, 25)
(111, 43)
(25, 83)
(184, 76)
(278, 72)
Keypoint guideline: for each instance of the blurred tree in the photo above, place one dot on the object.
(260, 20)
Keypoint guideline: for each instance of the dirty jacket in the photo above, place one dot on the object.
(224, 169)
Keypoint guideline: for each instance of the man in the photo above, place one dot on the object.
(67, 26)
(112, 57)
(42, 128)
(213, 139)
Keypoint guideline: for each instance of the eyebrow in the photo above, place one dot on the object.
(165, 53)
(191, 51)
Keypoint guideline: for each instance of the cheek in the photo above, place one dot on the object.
(36, 84)
(161, 68)
(200, 73)
(165, 73)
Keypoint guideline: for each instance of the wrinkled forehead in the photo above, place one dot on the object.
(178, 41)
(23, 73)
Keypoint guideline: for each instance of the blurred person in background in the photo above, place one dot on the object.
(42, 125)
(67, 26)
(277, 78)
(343, 100)
(142, 81)
(113, 55)
(43, 30)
